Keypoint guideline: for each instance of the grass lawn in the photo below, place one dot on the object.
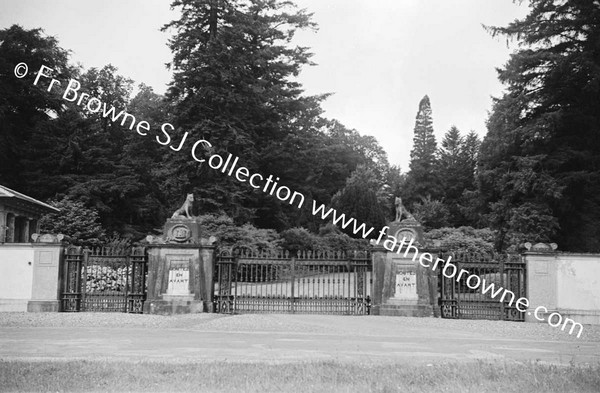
(69, 376)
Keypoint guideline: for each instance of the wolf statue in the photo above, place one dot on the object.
(184, 210)
(401, 212)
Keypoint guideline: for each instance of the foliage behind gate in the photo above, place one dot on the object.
(108, 279)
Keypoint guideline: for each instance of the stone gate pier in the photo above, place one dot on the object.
(401, 285)
(180, 269)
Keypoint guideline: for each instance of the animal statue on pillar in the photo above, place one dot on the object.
(184, 210)
(401, 212)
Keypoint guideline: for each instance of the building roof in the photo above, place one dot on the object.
(6, 192)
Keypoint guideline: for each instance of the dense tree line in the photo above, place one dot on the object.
(234, 84)
(534, 177)
(540, 166)
(441, 181)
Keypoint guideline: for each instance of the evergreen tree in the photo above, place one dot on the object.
(470, 204)
(470, 152)
(396, 181)
(233, 85)
(431, 213)
(142, 154)
(456, 171)
(513, 184)
(24, 106)
(422, 155)
(452, 147)
(75, 220)
(422, 178)
(540, 168)
(365, 198)
(451, 173)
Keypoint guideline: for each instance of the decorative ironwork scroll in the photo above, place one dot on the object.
(506, 271)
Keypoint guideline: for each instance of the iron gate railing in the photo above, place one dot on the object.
(104, 279)
(249, 281)
(507, 271)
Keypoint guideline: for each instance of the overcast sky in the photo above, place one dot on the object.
(378, 57)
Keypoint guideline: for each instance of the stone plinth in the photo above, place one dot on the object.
(401, 286)
(410, 229)
(183, 231)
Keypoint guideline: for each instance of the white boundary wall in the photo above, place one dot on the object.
(567, 283)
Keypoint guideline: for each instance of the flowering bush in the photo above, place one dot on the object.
(105, 278)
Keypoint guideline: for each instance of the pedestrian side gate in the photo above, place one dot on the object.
(105, 279)
(506, 271)
(249, 281)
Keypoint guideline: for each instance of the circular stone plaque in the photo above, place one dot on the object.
(180, 233)
(409, 234)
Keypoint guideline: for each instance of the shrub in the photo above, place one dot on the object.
(232, 235)
(431, 213)
(298, 239)
(77, 221)
(341, 241)
(330, 238)
(463, 239)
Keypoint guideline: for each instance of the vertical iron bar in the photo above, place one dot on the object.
(293, 277)
(127, 273)
(456, 290)
(83, 283)
(501, 268)
(349, 301)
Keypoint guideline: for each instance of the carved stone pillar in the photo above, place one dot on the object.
(180, 269)
(25, 231)
(402, 286)
(33, 228)
(3, 224)
(48, 254)
(10, 228)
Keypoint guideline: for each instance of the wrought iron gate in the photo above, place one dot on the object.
(104, 279)
(506, 271)
(248, 281)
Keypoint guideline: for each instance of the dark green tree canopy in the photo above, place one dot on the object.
(234, 84)
(365, 198)
(540, 168)
(75, 220)
(456, 172)
(24, 106)
(234, 67)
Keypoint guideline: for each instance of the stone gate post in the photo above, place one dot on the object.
(180, 269)
(45, 290)
(401, 285)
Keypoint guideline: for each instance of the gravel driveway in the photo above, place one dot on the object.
(330, 324)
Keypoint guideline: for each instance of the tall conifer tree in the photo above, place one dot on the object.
(540, 167)
(456, 171)
(234, 66)
(422, 178)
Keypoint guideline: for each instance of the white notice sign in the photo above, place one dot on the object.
(406, 285)
(179, 280)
